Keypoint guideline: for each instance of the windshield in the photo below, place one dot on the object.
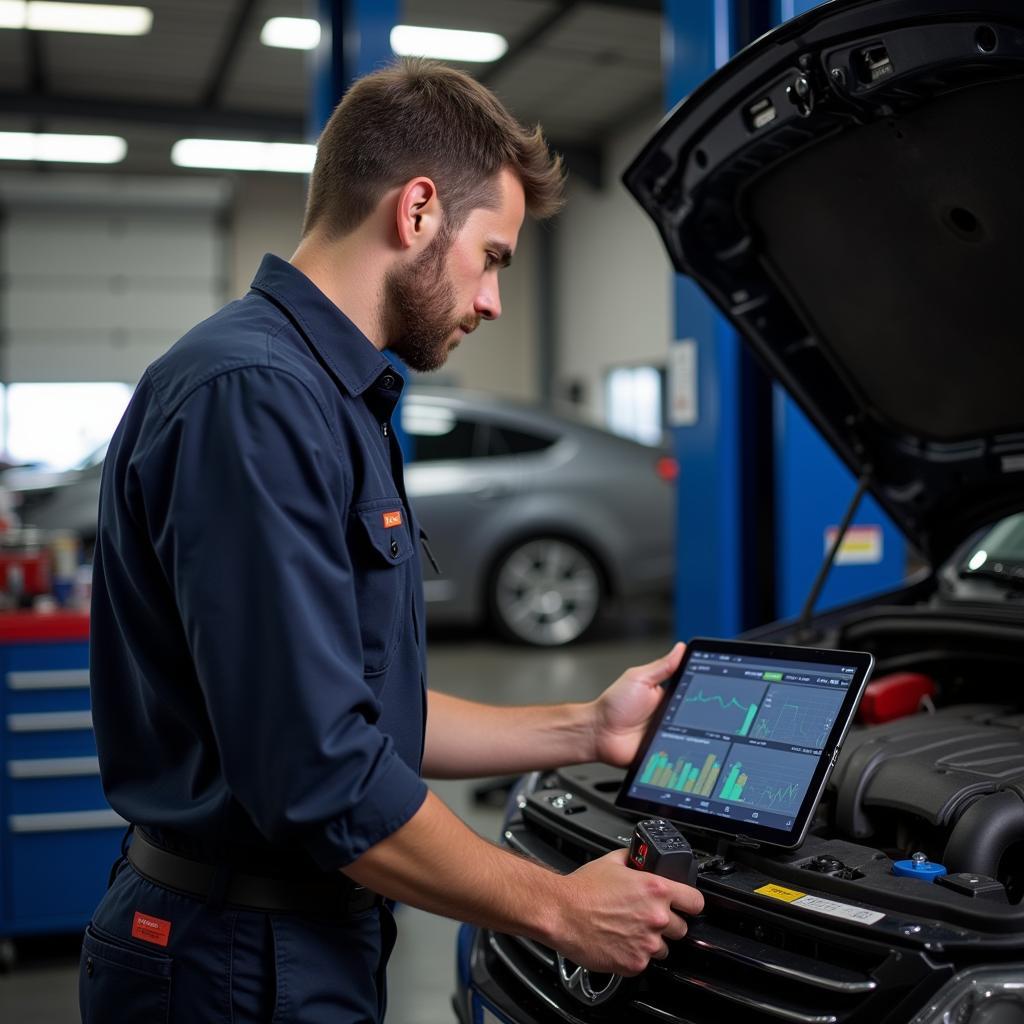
(999, 554)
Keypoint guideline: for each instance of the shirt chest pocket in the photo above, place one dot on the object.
(381, 546)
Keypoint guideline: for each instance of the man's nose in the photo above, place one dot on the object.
(488, 304)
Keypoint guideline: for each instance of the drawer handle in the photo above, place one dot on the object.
(48, 721)
(64, 679)
(65, 821)
(52, 767)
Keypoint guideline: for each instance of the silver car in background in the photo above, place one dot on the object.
(536, 521)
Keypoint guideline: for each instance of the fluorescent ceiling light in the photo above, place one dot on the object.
(447, 44)
(231, 155)
(72, 149)
(406, 40)
(102, 19)
(291, 33)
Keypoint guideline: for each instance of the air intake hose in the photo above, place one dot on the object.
(985, 832)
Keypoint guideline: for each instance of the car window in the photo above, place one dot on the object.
(506, 441)
(437, 432)
(1000, 552)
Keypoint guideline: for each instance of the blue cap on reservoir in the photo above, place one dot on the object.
(919, 866)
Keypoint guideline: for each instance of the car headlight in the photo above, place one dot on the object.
(981, 995)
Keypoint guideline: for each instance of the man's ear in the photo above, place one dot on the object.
(418, 214)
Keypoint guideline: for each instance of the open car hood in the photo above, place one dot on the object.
(848, 191)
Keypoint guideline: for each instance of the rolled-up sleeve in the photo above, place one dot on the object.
(247, 504)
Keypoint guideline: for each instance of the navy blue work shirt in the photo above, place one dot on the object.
(258, 654)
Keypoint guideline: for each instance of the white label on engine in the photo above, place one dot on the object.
(833, 909)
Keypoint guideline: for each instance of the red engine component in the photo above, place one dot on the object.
(894, 696)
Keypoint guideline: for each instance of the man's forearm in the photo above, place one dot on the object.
(437, 863)
(465, 739)
(603, 915)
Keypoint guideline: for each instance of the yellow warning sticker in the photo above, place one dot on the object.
(776, 892)
(821, 906)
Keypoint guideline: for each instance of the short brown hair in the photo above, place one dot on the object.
(420, 117)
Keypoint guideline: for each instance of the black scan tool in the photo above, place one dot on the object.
(659, 847)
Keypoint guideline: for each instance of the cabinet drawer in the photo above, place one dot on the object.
(57, 868)
(36, 702)
(51, 793)
(46, 657)
(48, 735)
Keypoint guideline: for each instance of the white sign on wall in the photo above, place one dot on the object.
(682, 383)
(862, 545)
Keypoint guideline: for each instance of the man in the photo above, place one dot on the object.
(258, 652)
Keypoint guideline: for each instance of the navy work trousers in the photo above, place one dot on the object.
(227, 966)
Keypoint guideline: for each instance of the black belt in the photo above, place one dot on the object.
(337, 898)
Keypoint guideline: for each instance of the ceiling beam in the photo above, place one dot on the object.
(540, 28)
(251, 124)
(225, 61)
(651, 6)
(36, 63)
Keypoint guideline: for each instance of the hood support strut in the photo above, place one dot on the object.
(804, 632)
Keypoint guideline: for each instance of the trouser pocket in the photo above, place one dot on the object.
(119, 983)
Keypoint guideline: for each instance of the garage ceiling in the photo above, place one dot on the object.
(580, 68)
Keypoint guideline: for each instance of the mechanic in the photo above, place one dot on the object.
(258, 650)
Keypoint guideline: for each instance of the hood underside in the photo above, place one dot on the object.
(848, 191)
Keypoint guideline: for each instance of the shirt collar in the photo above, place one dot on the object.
(353, 358)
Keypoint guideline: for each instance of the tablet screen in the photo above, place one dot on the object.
(745, 738)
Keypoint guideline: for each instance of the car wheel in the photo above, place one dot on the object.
(545, 591)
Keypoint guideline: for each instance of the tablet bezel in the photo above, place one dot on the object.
(747, 831)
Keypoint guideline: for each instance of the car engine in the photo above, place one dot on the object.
(945, 783)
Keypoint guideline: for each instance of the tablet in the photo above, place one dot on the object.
(745, 739)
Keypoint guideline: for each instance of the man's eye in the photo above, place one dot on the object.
(491, 260)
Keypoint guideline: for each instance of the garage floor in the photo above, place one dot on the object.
(42, 989)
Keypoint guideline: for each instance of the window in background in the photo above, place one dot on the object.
(61, 425)
(634, 403)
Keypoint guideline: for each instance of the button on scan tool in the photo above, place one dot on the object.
(659, 847)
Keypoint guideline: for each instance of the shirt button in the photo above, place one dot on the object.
(387, 380)
(394, 547)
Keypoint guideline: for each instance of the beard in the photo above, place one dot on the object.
(418, 313)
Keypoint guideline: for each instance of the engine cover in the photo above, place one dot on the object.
(937, 768)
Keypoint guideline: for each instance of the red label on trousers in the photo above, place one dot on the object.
(151, 929)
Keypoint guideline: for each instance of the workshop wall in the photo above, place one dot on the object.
(100, 274)
(614, 299)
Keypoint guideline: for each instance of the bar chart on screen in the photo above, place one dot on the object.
(686, 765)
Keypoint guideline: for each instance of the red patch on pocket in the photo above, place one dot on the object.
(151, 929)
(392, 519)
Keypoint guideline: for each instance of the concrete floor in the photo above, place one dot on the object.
(42, 988)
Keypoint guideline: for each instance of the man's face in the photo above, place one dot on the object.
(431, 303)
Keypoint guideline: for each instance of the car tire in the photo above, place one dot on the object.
(545, 591)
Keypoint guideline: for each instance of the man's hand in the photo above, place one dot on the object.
(617, 920)
(622, 711)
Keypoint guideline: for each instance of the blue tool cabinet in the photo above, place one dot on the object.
(58, 836)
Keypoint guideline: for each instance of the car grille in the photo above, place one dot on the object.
(734, 961)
